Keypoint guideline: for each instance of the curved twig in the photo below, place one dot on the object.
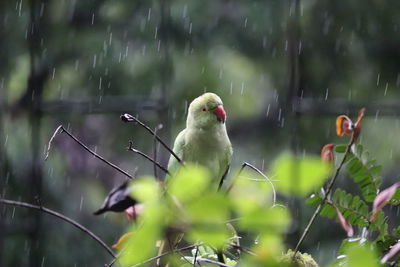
(61, 129)
(131, 148)
(246, 164)
(60, 216)
(129, 118)
(164, 254)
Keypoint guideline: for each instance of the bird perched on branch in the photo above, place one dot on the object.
(204, 141)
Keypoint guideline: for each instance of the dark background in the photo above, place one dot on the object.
(284, 69)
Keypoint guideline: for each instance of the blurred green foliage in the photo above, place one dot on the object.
(82, 63)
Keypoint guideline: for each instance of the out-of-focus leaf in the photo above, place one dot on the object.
(145, 189)
(248, 194)
(210, 209)
(213, 234)
(189, 183)
(299, 175)
(355, 252)
(361, 255)
(262, 219)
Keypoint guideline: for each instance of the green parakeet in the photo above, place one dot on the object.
(204, 141)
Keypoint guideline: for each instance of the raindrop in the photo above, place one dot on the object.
(94, 60)
(81, 204)
(53, 74)
(279, 114)
(13, 213)
(190, 28)
(184, 11)
(5, 141)
(241, 91)
(376, 115)
(149, 15)
(92, 18)
(143, 50)
(245, 23)
(20, 9)
(43, 260)
(326, 94)
(268, 108)
(159, 45)
(76, 65)
(386, 88)
(110, 39)
(231, 88)
(299, 47)
(377, 79)
(155, 33)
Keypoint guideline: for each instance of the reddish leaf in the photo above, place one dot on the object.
(344, 126)
(382, 199)
(395, 249)
(122, 241)
(344, 223)
(133, 211)
(327, 154)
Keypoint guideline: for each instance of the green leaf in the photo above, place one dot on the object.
(356, 252)
(354, 209)
(189, 183)
(364, 172)
(396, 198)
(361, 255)
(340, 148)
(145, 189)
(299, 175)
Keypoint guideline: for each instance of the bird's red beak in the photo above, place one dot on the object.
(220, 112)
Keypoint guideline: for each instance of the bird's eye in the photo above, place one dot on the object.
(204, 109)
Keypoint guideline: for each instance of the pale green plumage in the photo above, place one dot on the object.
(204, 141)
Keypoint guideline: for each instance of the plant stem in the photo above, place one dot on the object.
(327, 192)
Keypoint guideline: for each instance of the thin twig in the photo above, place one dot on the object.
(129, 118)
(60, 216)
(195, 256)
(131, 148)
(327, 193)
(164, 254)
(61, 129)
(212, 261)
(244, 249)
(155, 144)
(246, 164)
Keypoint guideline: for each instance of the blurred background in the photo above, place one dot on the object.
(284, 69)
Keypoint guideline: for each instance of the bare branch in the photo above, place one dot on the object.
(131, 148)
(164, 254)
(246, 164)
(61, 129)
(129, 118)
(212, 261)
(60, 216)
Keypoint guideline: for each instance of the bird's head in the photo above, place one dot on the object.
(206, 111)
